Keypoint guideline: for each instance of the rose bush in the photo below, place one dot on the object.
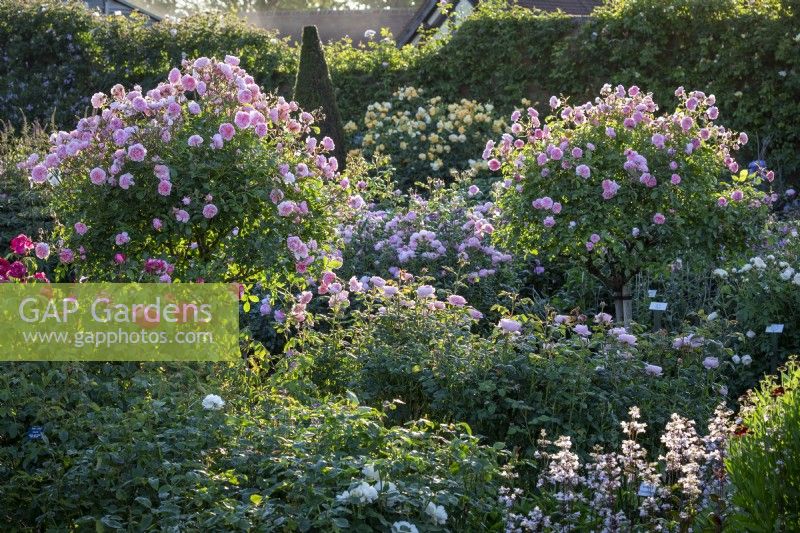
(444, 232)
(203, 177)
(426, 136)
(614, 188)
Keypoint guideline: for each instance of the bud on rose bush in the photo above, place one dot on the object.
(615, 188)
(204, 176)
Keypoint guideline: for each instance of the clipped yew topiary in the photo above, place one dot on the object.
(313, 90)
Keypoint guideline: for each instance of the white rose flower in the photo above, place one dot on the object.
(213, 402)
(746, 360)
(404, 527)
(370, 472)
(436, 512)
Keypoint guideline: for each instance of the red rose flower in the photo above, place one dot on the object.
(21, 244)
(18, 270)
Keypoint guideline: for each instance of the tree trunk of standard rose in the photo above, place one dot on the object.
(623, 308)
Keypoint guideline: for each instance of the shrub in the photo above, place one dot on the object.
(446, 234)
(22, 207)
(313, 89)
(209, 447)
(561, 375)
(762, 291)
(203, 177)
(427, 136)
(615, 189)
(764, 459)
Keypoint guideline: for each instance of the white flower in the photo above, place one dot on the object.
(713, 316)
(369, 34)
(404, 527)
(736, 359)
(369, 471)
(746, 360)
(710, 362)
(787, 274)
(750, 334)
(653, 370)
(721, 272)
(363, 493)
(745, 268)
(436, 512)
(213, 402)
(758, 263)
(796, 279)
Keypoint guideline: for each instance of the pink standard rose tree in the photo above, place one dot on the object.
(204, 176)
(614, 187)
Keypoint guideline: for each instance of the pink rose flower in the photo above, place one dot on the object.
(137, 152)
(164, 187)
(210, 211)
(97, 175)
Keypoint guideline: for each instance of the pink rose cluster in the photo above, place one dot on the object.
(551, 163)
(430, 234)
(127, 146)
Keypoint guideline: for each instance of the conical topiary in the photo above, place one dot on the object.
(313, 90)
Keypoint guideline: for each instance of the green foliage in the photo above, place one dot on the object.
(22, 207)
(131, 446)
(764, 459)
(508, 388)
(313, 89)
(55, 55)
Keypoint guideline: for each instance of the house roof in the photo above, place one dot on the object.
(427, 17)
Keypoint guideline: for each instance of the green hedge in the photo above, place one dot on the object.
(55, 55)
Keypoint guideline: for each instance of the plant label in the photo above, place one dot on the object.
(658, 306)
(652, 293)
(775, 328)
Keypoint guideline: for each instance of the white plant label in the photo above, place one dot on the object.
(775, 328)
(652, 293)
(658, 306)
